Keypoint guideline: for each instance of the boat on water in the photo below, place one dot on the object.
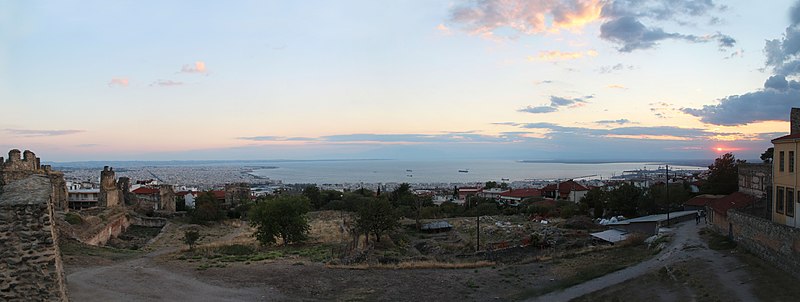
(463, 171)
(504, 179)
(409, 170)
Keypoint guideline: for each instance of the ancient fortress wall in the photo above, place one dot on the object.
(31, 267)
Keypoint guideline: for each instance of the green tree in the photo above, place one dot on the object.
(190, 238)
(723, 175)
(376, 216)
(624, 200)
(658, 200)
(768, 155)
(314, 196)
(490, 185)
(284, 217)
(207, 208)
(596, 199)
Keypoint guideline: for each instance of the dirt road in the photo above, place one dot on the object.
(144, 279)
(686, 244)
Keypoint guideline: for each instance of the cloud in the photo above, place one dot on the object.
(197, 67)
(41, 133)
(617, 86)
(166, 83)
(443, 29)
(622, 19)
(769, 104)
(539, 109)
(118, 82)
(543, 82)
(485, 17)
(557, 102)
(371, 138)
(615, 67)
(621, 121)
(631, 34)
(555, 55)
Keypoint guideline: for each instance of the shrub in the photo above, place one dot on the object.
(73, 218)
(236, 250)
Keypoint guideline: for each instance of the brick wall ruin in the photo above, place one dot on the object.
(21, 165)
(31, 268)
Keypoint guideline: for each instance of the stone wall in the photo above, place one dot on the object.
(770, 241)
(794, 121)
(99, 235)
(21, 165)
(30, 260)
(236, 193)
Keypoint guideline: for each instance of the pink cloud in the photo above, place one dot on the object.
(118, 82)
(525, 16)
(197, 67)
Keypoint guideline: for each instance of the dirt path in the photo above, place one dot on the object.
(144, 279)
(686, 244)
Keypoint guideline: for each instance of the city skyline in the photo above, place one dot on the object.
(513, 79)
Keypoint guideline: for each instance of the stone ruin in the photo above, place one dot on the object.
(21, 165)
(110, 193)
(166, 196)
(236, 193)
(31, 268)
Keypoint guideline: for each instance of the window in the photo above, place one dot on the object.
(791, 163)
(782, 158)
(789, 202)
(779, 200)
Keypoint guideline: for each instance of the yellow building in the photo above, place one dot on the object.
(786, 193)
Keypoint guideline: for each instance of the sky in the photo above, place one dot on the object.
(426, 79)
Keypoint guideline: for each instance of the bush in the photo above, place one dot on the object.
(73, 218)
(236, 250)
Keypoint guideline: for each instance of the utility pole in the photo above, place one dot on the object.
(666, 174)
(478, 232)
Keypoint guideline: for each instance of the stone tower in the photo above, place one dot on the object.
(110, 195)
(794, 120)
(167, 197)
(21, 165)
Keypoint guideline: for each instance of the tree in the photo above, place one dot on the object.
(314, 196)
(624, 200)
(768, 155)
(723, 175)
(376, 216)
(190, 238)
(596, 199)
(207, 208)
(490, 184)
(284, 217)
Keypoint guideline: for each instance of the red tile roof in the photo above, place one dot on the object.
(522, 193)
(787, 137)
(702, 200)
(569, 186)
(145, 191)
(736, 200)
(218, 194)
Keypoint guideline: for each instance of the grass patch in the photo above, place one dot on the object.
(417, 265)
(769, 283)
(73, 248)
(718, 242)
(583, 267)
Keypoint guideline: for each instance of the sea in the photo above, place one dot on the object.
(448, 171)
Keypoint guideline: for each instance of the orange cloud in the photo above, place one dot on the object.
(444, 29)
(118, 82)
(555, 55)
(197, 67)
(525, 16)
(616, 86)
